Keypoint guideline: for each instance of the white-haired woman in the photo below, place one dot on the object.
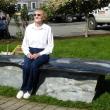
(37, 45)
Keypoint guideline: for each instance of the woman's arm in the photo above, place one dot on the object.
(25, 46)
(50, 44)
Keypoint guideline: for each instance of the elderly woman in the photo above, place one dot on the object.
(37, 45)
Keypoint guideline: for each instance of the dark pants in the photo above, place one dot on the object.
(31, 69)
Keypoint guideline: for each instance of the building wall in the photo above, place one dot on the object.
(31, 4)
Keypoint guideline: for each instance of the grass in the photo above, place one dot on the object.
(86, 48)
(11, 44)
(93, 48)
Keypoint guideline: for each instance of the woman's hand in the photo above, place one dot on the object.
(36, 55)
(33, 56)
(30, 56)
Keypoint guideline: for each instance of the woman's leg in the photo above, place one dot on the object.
(26, 73)
(34, 71)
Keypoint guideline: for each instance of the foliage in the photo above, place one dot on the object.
(103, 3)
(19, 35)
(16, 18)
(8, 6)
(24, 16)
(24, 13)
(48, 10)
(85, 6)
(69, 7)
(53, 5)
(74, 6)
(77, 6)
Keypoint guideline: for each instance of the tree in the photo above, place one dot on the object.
(24, 16)
(8, 6)
(103, 3)
(53, 5)
(84, 6)
(88, 6)
(67, 7)
(77, 6)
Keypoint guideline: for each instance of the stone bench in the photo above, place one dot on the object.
(62, 78)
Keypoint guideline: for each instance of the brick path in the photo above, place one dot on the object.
(12, 103)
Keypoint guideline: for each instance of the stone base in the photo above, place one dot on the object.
(63, 86)
(11, 76)
(67, 86)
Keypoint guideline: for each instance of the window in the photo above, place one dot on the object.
(25, 5)
(33, 5)
(19, 7)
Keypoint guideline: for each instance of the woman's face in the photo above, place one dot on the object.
(38, 16)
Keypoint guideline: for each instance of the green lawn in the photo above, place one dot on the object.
(93, 47)
(88, 48)
(11, 44)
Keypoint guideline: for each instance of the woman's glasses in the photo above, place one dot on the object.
(37, 14)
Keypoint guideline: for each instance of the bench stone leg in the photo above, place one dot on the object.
(100, 86)
(68, 86)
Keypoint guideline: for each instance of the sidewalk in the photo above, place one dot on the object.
(11, 103)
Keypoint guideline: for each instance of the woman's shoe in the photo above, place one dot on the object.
(20, 94)
(26, 95)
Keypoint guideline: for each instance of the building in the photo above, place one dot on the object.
(31, 4)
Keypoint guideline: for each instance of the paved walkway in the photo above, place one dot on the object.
(12, 103)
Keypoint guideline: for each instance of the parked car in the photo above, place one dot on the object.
(3, 27)
(63, 17)
(99, 17)
(31, 14)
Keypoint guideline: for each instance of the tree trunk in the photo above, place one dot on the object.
(86, 27)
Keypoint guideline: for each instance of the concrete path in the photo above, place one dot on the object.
(11, 103)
